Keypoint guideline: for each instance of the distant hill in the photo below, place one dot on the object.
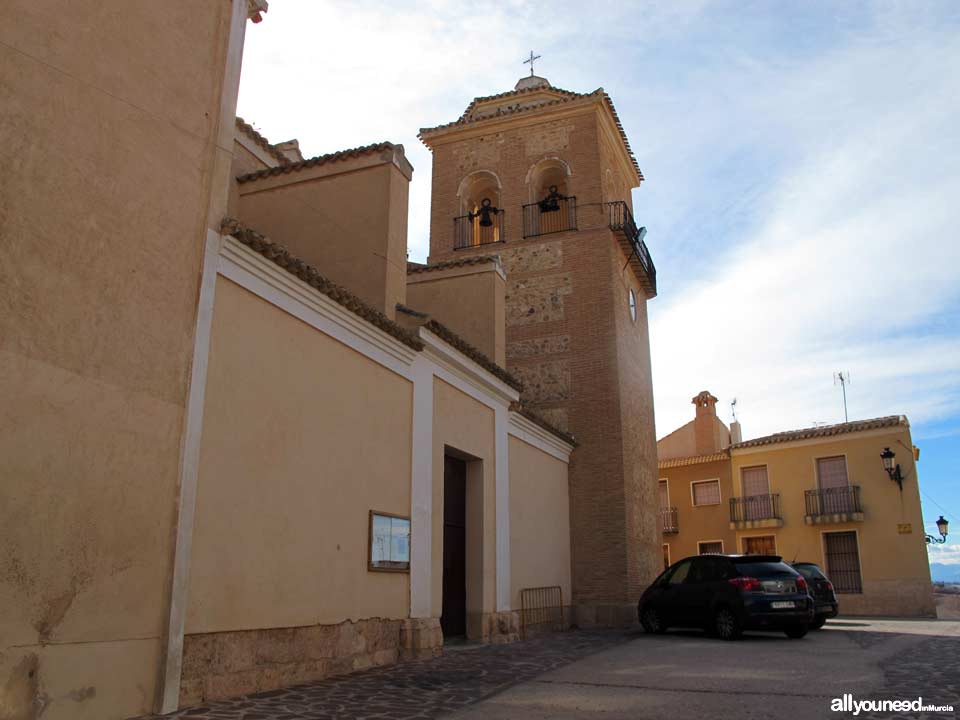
(941, 572)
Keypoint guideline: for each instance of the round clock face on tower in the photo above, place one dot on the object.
(632, 299)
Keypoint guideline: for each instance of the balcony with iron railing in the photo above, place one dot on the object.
(550, 215)
(833, 505)
(669, 522)
(621, 219)
(755, 511)
(483, 227)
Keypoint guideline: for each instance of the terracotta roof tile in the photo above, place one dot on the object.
(260, 140)
(536, 419)
(825, 431)
(457, 342)
(694, 460)
(318, 160)
(459, 262)
(295, 266)
(464, 119)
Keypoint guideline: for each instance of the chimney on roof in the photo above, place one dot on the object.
(736, 435)
(706, 426)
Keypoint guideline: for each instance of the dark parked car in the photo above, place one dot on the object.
(824, 600)
(727, 594)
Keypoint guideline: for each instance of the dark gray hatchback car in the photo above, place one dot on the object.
(727, 594)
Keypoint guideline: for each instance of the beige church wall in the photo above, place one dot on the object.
(351, 226)
(539, 521)
(465, 427)
(471, 303)
(894, 565)
(302, 438)
(104, 200)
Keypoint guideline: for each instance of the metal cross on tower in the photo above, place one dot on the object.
(530, 60)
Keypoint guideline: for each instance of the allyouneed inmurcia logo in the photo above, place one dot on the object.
(848, 704)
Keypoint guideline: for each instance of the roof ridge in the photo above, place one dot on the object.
(458, 343)
(826, 430)
(537, 419)
(310, 275)
(413, 268)
(318, 160)
(501, 112)
(260, 140)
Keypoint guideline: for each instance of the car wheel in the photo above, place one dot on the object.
(818, 622)
(796, 632)
(726, 625)
(652, 621)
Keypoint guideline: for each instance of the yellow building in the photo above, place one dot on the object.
(818, 495)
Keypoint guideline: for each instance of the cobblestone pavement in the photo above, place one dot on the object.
(423, 689)
(929, 669)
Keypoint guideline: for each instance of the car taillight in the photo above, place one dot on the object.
(746, 584)
(801, 585)
(828, 585)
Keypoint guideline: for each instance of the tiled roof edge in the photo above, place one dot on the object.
(460, 262)
(458, 343)
(539, 421)
(318, 160)
(693, 460)
(825, 431)
(523, 91)
(260, 140)
(463, 120)
(295, 266)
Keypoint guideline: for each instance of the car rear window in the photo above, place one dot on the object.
(763, 569)
(809, 571)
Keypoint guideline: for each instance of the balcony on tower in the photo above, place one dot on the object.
(631, 240)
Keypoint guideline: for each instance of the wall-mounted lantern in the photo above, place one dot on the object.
(942, 524)
(893, 469)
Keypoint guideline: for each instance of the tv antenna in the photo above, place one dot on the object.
(733, 409)
(843, 378)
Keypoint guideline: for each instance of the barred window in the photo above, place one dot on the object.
(843, 561)
(706, 492)
(710, 547)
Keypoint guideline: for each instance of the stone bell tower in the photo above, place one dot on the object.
(542, 177)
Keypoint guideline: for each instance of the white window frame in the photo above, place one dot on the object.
(701, 543)
(667, 483)
(693, 497)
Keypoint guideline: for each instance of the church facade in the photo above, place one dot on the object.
(250, 445)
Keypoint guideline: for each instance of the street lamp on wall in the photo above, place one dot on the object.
(942, 524)
(892, 468)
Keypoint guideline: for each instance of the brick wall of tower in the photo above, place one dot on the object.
(585, 366)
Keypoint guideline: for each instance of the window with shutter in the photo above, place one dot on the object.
(843, 561)
(706, 492)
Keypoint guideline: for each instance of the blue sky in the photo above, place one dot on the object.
(802, 186)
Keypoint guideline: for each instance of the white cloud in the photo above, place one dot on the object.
(948, 553)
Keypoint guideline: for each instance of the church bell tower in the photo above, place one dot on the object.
(542, 177)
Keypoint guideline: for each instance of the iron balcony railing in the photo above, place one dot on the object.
(833, 501)
(469, 230)
(755, 507)
(668, 520)
(620, 218)
(551, 215)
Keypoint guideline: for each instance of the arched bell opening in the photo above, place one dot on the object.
(481, 218)
(551, 207)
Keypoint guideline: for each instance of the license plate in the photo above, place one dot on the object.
(780, 604)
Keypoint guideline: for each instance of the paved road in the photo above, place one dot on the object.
(614, 674)
(686, 674)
